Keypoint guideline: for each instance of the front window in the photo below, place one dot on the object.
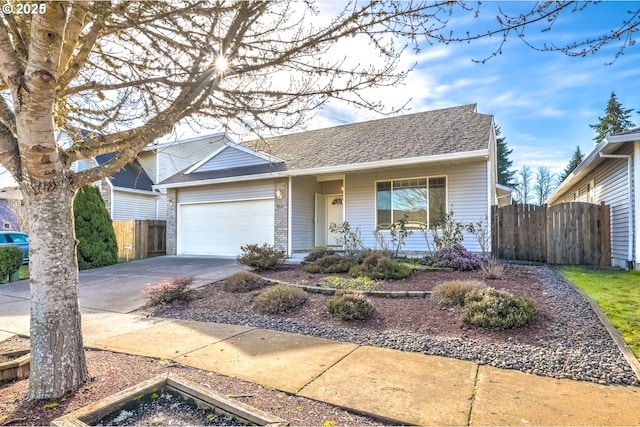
(418, 200)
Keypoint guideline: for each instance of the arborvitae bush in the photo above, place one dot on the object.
(243, 281)
(279, 298)
(97, 245)
(349, 305)
(10, 260)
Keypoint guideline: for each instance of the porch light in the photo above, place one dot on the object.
(278, 194)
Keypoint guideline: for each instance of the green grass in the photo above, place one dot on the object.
(618, 295)
(23, 272)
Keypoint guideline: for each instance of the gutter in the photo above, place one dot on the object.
(631, 207)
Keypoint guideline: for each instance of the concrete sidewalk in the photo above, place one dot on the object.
(392, 385)
(397, 386)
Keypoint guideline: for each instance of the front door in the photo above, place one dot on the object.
(335, 214)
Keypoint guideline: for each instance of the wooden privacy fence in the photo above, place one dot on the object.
(569, 233)
(139, 239)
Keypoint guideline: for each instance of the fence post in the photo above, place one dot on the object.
(604, 223)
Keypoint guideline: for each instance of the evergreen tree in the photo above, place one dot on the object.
(97, 245)
(615, 120)
(505, 176)
(576, 159)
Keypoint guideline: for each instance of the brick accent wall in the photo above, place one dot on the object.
(172, 221)
(105, 192)
(281, 215)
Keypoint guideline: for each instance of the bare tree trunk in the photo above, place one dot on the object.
(57, 355)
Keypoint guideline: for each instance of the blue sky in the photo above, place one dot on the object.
(544, 102)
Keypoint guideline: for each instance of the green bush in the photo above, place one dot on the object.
(264, 257)
(279, 298)
(176, 289)
(329, 264)
(350, 306)
(243, 281)
(378, 267)
(491, 308)
(10, 260)
(358, 283)
(97, 245)
(316, 254)
(455, 291)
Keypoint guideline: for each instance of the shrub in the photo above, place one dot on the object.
(317, 254)
(243, 281)
(350, 241)
(97, 245)
(492, 270)
(454, 292)
(491, 308)
(350, 306)
(330, 264)
(455, 256)
(264, 257)
(279, 298)
(378, 267)
(10, 260)
(360, 283)
(175, 289)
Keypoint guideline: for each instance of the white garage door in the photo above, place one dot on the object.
(221, 228)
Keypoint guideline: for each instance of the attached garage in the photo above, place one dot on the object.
(218, 220)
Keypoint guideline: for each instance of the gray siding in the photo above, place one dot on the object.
(466, 196)
(148, 161)
(231, 158)
(226, 192)
(133, 206)
(611, 183)
(303, 213)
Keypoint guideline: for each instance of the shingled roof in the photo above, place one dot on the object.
(131, 176)
(436, 132)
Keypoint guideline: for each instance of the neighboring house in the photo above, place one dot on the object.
(10, 209)
(611, 174)
(128, 193)
(287, 190)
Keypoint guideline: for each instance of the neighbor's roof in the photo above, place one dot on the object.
(609, 145)
(131, 176)
(437, 132)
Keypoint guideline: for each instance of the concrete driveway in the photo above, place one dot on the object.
(117, 288)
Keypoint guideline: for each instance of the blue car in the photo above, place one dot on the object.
(15, 238)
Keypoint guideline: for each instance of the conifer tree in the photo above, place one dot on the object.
(505, 175)
(615, 120)
(576, 159)
(97, 245)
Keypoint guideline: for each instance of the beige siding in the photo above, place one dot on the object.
(303, 213)
(466, 196)
(226, 192)
(133, 206)
(611, 187)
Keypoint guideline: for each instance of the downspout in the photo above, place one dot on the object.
(289, 216)
(631, 207)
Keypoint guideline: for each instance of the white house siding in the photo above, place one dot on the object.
(303, 191)
(133, 206)
(466, 196)
(610, 179)
(226, 192)
(148, 162)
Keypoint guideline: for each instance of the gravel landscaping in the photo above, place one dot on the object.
(567, 340)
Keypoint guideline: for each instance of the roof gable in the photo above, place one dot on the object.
(231, 156)
(131, 176)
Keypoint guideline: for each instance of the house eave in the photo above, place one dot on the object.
(594, 158)
(135, 191)
(449, 157)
